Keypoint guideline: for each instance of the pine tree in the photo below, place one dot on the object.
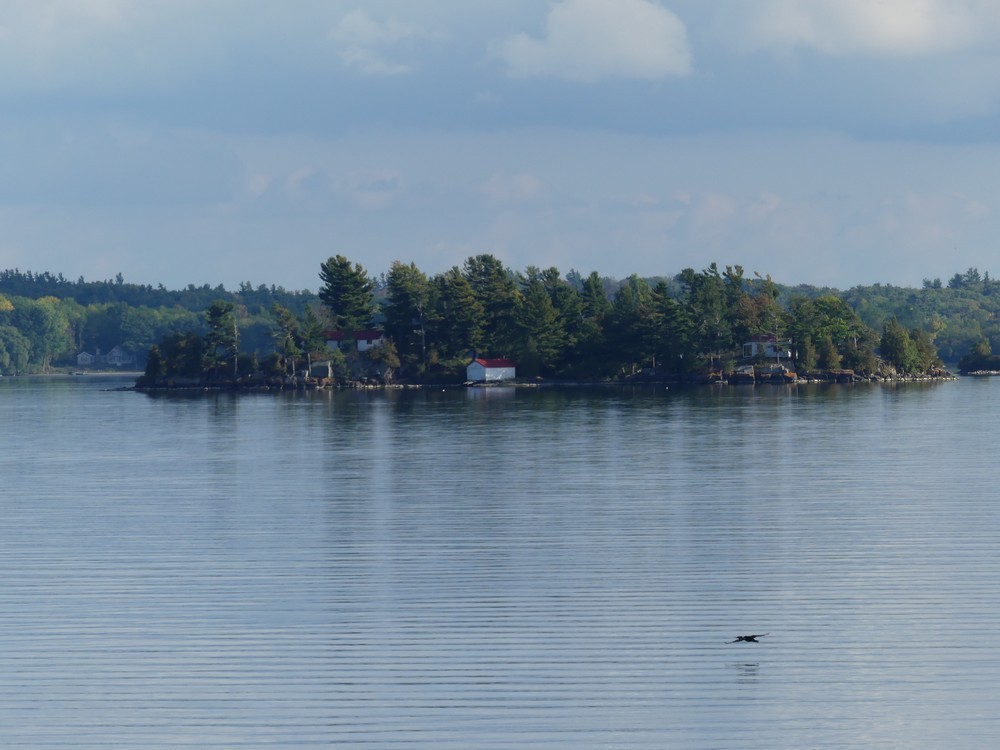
(348, 293)
(222, 339)
(496, 292)
(540, 330)
(457, 319)
(406, 314)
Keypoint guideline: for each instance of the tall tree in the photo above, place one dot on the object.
(222, 338)
(927, 354)
(705, 300)
(541, 334)
(348, 293)
(632, 328)
(44, 324)
(591, 356)
(898, 348)
(406, 314)
(569, 310)
(455, 325)
(15, 350)
(287, 337)
(672, 332)
(496, 291)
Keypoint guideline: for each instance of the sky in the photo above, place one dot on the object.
(825, 142)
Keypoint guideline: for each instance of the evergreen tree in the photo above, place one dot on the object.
(829, 356)
(222, 339)
(705, 300)
(541, 334)
(570, 319)
(348, 293)
(594, 299)
(494, 288)
(456, 324)
(673, 337)
(409, 293)
(632, 326)
(183, 354)
(590, 356)
(155, 368)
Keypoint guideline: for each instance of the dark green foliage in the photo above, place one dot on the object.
(457, 318)
(541, 334)
(222, 338)
(348, 294)
(897, 347)
(14, 282)
(15, 350)
(182, 355)
(45, 324)
(494, 289)
(830, 334)
(156, 369)
(585, 327)
(408, 298)
(980, 358)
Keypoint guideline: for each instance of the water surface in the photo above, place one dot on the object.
(499, 568)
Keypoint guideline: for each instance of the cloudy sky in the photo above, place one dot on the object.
(831, 142)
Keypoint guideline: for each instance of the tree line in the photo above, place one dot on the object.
(47, 320)
(568, 326)
(572, 328)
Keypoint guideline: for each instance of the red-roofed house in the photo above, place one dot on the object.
(490, 370)
(367, 339)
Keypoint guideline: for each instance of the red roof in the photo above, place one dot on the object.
(491, 363)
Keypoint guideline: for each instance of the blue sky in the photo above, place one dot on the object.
(831, 142)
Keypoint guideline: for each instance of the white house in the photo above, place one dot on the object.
(118, 357)
(490, 370)
(370, 338)
(767, 345)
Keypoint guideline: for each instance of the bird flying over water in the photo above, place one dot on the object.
(748, 638)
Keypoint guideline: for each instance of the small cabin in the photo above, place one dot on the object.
(767, 345)
(118, 357)
(369, 338)
(482, 370)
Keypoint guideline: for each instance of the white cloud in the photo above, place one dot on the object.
(841, 28)
(108, 45)
(594, 40)
(363, 42)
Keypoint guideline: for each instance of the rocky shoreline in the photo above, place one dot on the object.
(313, 384)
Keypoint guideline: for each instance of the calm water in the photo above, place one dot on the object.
(499, 568)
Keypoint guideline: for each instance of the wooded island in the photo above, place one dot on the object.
(405, 326)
